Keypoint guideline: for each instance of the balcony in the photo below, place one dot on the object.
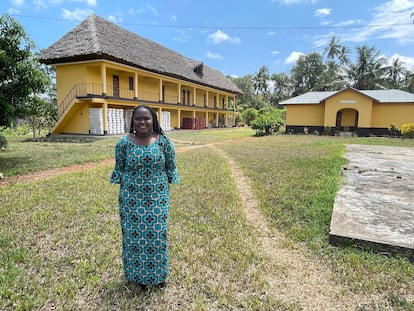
(95, 90)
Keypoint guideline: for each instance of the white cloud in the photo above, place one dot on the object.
(152, 9)
(115, 19)
(39, 4)
(12, 11)
(391, 20)
(173, 18)
(293, 57)
(219, 37)
(17, 3)
(407, 61)
(77, 14)
(275, 53)
(135, 12)
(322, 12)
(182, 37)
(213, 55)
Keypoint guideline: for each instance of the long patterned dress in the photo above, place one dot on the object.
(144, 173)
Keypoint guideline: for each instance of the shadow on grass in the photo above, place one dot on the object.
(62, 138)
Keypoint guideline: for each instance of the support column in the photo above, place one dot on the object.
(160, 92)
(105, 118)
(217, 119)
(160, 116)
(206, 117)
(194, 120)
(103, 78)
(136, 86)
(179, 118)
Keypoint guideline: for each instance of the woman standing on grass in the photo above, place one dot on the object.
(144, 166)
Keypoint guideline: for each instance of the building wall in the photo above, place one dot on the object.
(305, 115)
(385, 114)
(349, 99)
(67, 76)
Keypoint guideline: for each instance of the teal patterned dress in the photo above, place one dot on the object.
(144, 173)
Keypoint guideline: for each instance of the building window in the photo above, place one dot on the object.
(131, 83)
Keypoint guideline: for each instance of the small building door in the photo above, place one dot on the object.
(115, 83)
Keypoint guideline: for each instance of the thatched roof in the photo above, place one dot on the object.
(97, 38)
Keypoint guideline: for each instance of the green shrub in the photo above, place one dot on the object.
(393, 130)
(407, 130)
(3, 142)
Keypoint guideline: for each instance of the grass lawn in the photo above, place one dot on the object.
(60, 237)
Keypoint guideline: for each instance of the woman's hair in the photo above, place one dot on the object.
(156, 128)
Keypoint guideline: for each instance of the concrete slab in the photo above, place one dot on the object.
(375, 205)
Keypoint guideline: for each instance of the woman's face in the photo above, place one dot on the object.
(142, 122)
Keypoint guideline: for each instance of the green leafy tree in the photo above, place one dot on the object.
(21, 76)
(268, 121)
(249, 115)
(248, 99)
(282, 88)
(306, 74)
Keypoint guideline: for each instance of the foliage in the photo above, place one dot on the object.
(407, 130)
(3, 142)
(268, 121)
(21, 75)
(367, 73)
(282, 88)
(393, 130)
(249, 115)
(248, 99)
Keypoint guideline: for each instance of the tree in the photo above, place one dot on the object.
(333, 49)
(307, 72)
(268, 121)
(260, 81)
(368, 71)
(21, 76)
(395, 74)
(248, 99)
(249, 115)
(282, 88)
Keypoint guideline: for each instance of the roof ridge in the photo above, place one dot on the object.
(91, 20)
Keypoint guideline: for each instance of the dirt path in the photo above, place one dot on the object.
(293, 276)
(55, 171)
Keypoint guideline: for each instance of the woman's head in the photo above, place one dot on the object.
(145, 118)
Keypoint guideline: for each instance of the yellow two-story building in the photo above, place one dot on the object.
(103, 71)
(352, 111)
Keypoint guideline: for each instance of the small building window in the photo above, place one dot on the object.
(131, 83)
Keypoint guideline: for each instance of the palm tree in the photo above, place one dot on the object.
(343, 55)
(368, 71)
(260, 81)
(395, 73)
(333, 49)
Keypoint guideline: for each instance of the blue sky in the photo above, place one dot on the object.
(233, 36)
